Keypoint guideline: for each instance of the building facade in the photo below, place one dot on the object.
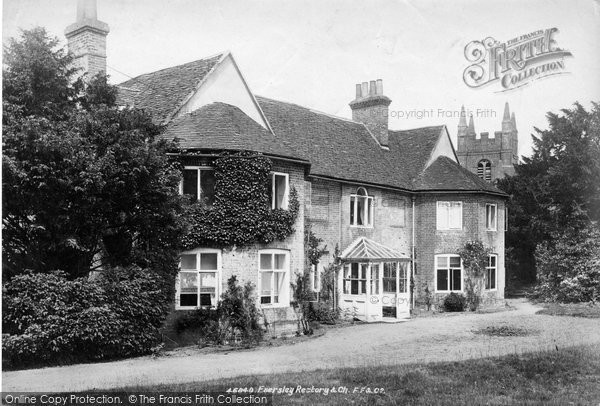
(397, 205)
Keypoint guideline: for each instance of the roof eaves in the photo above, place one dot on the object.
(360, 183)
(477, 191)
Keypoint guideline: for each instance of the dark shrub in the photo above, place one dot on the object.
(236, 320)
(239, 317)
(202, 320)
(454, 302)
(53, 320)
(320, 312)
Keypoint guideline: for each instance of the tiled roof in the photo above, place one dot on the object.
(160, 93)
(336, 148)
(363, 249)
(446, 175)
(343, 149)
(221, 126)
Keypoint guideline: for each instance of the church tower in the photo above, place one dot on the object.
(488, 157)
(86, 39)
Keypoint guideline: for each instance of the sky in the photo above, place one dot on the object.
(313, 52)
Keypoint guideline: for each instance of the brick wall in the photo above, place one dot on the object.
(89, 49)
(430, 241)
(328, 211)
(244, 262)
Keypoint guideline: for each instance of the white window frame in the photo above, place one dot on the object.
(218, 287)
(487, 269)
(199, 169)
(438, 214)
(368, 209)
(347, 271)
(284, 293)
(436, 268)
(286, 195)
(315, 277)
(494, 226)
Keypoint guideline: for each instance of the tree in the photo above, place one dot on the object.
(556, 189)
(86, 185)
(37, 76)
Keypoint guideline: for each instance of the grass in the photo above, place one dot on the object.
(589, 309)
(568, 376)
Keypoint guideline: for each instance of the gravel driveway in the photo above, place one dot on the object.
(445, 338)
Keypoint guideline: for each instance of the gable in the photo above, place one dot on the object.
(443, 147)
(224, 84)
(161, 92)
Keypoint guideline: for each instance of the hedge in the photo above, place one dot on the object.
(52, 320)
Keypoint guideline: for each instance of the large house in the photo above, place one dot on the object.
(397, 203)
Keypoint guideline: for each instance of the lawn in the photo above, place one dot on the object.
(588, 309)
(570, 375)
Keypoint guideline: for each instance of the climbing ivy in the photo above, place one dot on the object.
(241, 213)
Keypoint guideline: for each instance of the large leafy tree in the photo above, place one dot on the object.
(557, 190)
(86, 185)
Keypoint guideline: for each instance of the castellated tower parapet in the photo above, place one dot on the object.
(490, 157)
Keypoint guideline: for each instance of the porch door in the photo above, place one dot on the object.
(390, 289)
(374, 293)
(403, 295)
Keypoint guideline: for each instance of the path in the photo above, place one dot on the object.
(444, 338)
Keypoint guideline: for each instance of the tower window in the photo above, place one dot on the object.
(484, 170)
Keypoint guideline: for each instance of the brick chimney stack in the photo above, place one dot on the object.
(371, 108)
(87, 39)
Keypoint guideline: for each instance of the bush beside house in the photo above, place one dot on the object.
(53, 320)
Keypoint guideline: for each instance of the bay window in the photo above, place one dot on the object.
(279, 190)
(490, 272)
(274, 282)
(448, 273)
(198, 182)
(449, 215)
(198, 282)
(491, 221)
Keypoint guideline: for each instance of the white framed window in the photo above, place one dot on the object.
(491, 220)
(448, 273)
(315, 277)
(198, 283)
(279, 190)
(449, 215)
(355, 278)
(491, 272)
(390, 274)
(274, 277)
(361, 208)
(198, 182)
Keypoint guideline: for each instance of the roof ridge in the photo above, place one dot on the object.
(311, 110)
(175, 66)
(417, 128)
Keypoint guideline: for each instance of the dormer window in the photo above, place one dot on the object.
(279, 190)
(361, 208)
(199, 183)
